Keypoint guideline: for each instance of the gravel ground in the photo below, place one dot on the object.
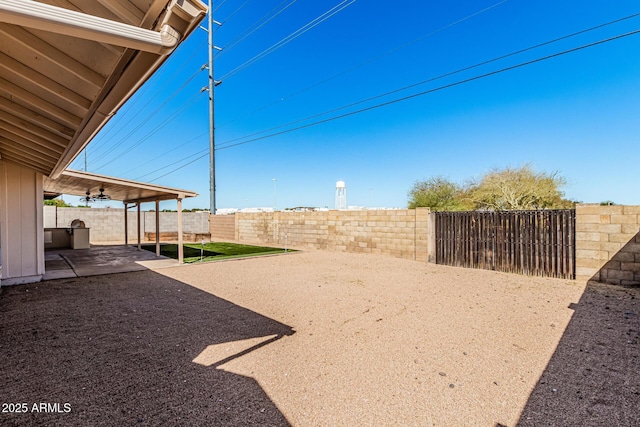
(318, 338)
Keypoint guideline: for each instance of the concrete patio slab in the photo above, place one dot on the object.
(56, 267)
(98, 260)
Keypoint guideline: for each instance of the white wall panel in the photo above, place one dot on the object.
(21, 228)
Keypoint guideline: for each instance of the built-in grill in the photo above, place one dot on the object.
(79, 234)
(77, 223)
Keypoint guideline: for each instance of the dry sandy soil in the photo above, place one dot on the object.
(321, 339)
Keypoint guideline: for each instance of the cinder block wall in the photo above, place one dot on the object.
(107, 224)
(400, 233)
(192, 222)
(223, 227)
(608, 244)
(607, 237)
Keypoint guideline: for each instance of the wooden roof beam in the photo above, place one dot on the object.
(32, 132)
(46, 52)
(15, 92)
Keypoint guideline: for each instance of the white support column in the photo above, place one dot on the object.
(157, 227)
(126, 225)
(139, 228)
(180, 248)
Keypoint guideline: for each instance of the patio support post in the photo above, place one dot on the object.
(157, 227)
(126, 225)
(180, 248)
(139, 228)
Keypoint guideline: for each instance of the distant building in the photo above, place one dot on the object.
(341, 195)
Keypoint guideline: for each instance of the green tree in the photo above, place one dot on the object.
(57, 202)
(519, 189)
(439, 194)
(499, 189)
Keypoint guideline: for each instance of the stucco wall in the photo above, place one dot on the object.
(107, 224)
(401, 233)
(608, 244)
(21, 237)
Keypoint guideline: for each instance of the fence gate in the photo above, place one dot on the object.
(537, 243)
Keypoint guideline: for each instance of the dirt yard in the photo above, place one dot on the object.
(319, 339)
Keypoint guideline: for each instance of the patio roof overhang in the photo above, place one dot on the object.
(67, 67)
(80, 183)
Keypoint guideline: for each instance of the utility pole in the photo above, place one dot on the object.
(212, 130)
(212, 136)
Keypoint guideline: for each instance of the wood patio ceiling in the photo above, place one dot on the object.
(57, 91)
(79, 183)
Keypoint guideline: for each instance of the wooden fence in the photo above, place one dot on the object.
(537, 243)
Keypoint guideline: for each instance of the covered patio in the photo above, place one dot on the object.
(66, 69)
(131, 193)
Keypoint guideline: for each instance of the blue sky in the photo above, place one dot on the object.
(576, 114)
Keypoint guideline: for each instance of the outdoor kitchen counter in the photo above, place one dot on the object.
(60, 238)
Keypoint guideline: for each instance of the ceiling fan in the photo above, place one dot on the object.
(100, 197)
(86, 199)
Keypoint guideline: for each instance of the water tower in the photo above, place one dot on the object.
(341, 195)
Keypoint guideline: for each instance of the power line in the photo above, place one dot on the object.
(367, 62)
(146, 87)
(236, 11)
(255, 27)
(185, 106)
(152, 160)
(219, 6)
(249, 32)
(180, 167)
(460, 82)
(443, 87)
(447, 86)
(310, 26)
(146, 120)
(449, 74)
(300, 31)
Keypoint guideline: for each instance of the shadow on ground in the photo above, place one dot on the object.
(120, 350)
(593, 378)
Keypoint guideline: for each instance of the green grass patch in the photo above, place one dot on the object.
(196, 252)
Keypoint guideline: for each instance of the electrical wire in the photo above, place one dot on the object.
(236, 11)
(177, 147)
(205, 151)
(178, 112)
(145, 121)
(183, 166)
(367, 62)
(449, 74)
(139, 96)
(315, 22)
(252, 30)
(447, 86)
(405, 98)
(219, 6)
(291, 37)
(255, 27)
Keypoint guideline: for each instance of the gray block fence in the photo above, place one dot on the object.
(107, 224)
